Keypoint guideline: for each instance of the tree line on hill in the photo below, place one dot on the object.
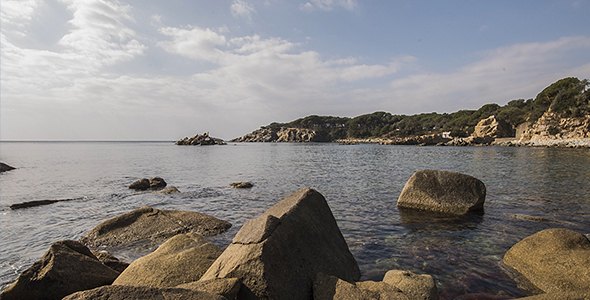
(568, 97)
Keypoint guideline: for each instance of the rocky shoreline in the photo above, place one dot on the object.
(294, 250)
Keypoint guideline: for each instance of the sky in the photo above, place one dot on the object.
(163, 70)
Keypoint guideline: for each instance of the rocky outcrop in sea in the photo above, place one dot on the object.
(5, 168)
(200, 140)
(282, 134)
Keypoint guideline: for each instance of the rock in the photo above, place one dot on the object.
(427, 140)
(168, 190)
(150, 223)
(152, 183)
(5, 168)
(416, 287)
(142, 184)
(554, 260)
(242, 185)
(183, 258)
(328, 287)
(283, 134)
(493, 127)
(444, 192)
(157, 183)
(578, 295)
(278, 255)
(67, 267)
(200, 140)
(120, 292)
(226, 287)
(552, 126)
(110, 261)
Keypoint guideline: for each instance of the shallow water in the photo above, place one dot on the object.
(528, 190)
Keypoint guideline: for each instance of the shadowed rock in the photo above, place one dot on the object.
(278, 255)
(67, 267)
(38, 203)
(110, 261)
(144, 184)
(150, 223)
(554, 260)
(443, 191)
(120, 292)
(168, 190)
(181, 259)
(5, 168)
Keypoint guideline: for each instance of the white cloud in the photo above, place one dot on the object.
(241, 8)
(15, 15)
(196, 43)
(328, 5)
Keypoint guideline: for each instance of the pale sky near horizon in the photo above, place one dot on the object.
(163, 70)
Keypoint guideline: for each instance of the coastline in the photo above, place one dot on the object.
(503, 142)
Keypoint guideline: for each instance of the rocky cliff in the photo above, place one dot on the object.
(283, 134)
(551, 126)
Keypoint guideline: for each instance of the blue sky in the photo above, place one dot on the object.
(163, 70)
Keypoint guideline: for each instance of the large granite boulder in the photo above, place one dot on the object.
(493, 127)
(278, 255)
(444, 192)
(150, 223)
(554, 260)
(328, 287)
(121, 292)
(181, 259)
(4, 167)
(67, 267)
(416, 287)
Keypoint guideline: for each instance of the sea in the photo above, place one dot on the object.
(528, 190)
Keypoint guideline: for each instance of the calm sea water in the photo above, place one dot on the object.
(528, 190)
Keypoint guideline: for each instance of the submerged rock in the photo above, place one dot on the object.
(144, 184)
(5, 168)
(150, 223)
(242, 185)
(443, 191)
(67, 267)
(554, 260)
(183, 258)
(168, 190)
(121, 292)
(278, 255)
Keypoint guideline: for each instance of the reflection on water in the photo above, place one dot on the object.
(528, 190)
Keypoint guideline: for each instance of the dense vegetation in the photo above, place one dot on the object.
(569, 97)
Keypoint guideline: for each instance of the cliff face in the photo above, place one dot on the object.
(550, 126)
(283, 134)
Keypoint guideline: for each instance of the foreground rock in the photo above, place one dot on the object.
(119, 292)
(150, 223)
(418, 287)
(278, 255)
(200, 140)
(283, 134)
(110, 261)
(181, 259)
(144, 184)
(493, 127)
(226, 287)
(328, 287)
(444, 192)
(67, 267)
(5, 168)
(554, 260)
